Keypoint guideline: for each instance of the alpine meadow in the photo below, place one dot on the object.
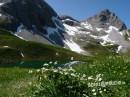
(46, 54)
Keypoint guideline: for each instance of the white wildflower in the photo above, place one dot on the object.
(45, 76)
(104, 89)
(46, 64)
(30, 83)
(40, 78)
(55, 63)
(30, 71)
(72, 74)
(85, 95)
(57, 54)
(55, 70)
(72, 58)
(71, 69)
(98, 75)
(100, 79)
(61, 72)
(84, 75)
(94, 94)
(59, 68)
(43, 68)
(100, 91)
(70, 87)
(66, 73)
(90, 77)
(81, 78)
(65, 70)
(38, 70)
(93, 90)
(50, 62)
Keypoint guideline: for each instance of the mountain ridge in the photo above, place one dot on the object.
(36, 21)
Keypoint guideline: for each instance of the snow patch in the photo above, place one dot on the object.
(119, 49)
(50, 30)
(5, 46)
(99, 29)
(22, 54)
(87, 25)
(95, 37)
(70, 30)
(111, 28)
(19, 36)
(20, 28)
(0, 14)
(1, 4)
(73, 46)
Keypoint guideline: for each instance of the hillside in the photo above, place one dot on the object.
(13, 49)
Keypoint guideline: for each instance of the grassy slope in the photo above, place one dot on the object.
(31, 50)
(15, 81)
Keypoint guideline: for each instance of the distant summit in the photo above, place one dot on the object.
(106, 18)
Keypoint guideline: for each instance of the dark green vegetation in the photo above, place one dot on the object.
(30, 50)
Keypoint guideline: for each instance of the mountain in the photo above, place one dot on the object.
(105, 19)
(102, 33)
(35, 20)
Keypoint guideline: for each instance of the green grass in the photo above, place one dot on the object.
(113, 68)
(31, 50)
(68, 83)
(14, 82)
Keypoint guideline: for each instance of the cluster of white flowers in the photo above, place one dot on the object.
(30, 71)
(71, 72)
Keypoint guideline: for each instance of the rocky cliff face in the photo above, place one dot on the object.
(105, 19)
(31, 20)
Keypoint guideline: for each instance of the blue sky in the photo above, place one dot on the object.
(82, 9)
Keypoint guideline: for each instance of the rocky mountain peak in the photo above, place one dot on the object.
(69, 20)
(106, 18)
(106, 12)
(32, 20)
